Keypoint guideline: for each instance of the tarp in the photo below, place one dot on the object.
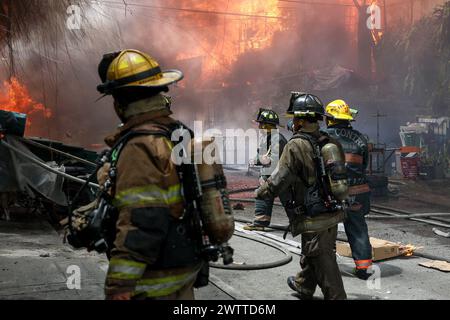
(19, 174)
(331, 78)
(8, 182)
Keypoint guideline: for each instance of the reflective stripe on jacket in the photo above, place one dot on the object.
(148, 194)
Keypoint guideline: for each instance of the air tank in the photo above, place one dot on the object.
(216, 211)
(334, 161)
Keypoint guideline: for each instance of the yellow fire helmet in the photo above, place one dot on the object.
(339, 110)
(133, 68)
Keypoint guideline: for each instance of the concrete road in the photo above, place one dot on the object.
(34, 265)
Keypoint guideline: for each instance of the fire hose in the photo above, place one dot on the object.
(45, 166)
(258, 266)
(274, 264)
(281, 262)
(343, 239)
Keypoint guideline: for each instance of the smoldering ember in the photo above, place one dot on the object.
(225, 150)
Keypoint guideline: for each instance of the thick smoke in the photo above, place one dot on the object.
(233, 64)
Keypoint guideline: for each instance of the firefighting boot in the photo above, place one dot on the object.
(362, 274)
(293, 286)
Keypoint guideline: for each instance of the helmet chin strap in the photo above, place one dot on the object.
(267, 126)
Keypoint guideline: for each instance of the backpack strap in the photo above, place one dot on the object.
(120, 144)
(312, 140)
(313, 143)
(162, 131)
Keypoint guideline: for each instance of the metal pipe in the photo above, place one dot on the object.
(68, 155)
(373, 209)
(408, 216)
(418, 254)
(427, 221)
(46, 167)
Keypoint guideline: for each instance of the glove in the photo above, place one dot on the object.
(261, 181)
(265, 160)
(262, 193)
(257, 194)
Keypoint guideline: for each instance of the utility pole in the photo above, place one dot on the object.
(378, 115)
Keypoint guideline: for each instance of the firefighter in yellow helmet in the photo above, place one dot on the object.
(151, 258)
(355, 147)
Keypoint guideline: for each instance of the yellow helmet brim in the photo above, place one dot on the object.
(343, 117)
(168, 77)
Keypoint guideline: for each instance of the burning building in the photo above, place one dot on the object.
(237, 55)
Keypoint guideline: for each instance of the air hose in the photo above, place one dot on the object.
(343, 239)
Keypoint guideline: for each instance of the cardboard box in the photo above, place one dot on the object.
(381, 249)
(437, 264)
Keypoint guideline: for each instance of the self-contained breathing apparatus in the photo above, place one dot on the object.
(93, 226)
(330, 191)
(207, 222)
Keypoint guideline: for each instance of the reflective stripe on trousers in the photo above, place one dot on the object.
(163, 286)
(149, 195)
(363, 264)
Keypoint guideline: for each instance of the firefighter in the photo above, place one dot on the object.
(147, 191)
(339, 117)
(298, 170)
(267, 157)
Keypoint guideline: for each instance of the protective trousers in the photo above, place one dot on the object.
(357, 231)
(319, 266)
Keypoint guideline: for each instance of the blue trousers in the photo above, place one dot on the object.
(263, 209)
(357, 231)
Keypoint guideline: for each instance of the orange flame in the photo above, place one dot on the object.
(252, 31)
(14, 96)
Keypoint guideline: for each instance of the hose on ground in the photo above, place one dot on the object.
(258, 266)
(343, 239)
